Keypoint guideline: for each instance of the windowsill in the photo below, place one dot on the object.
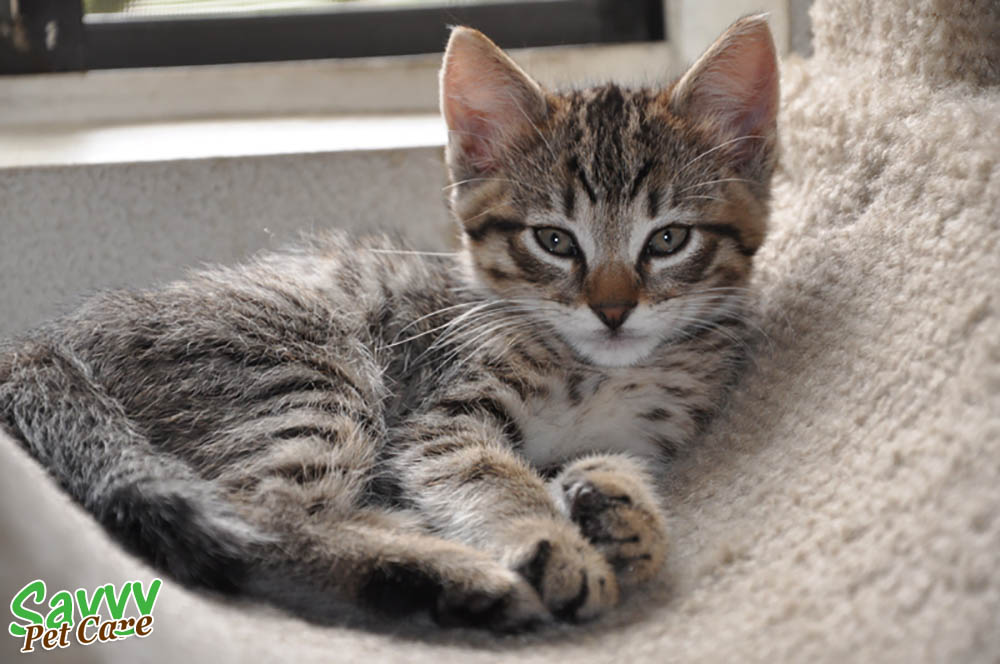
(33, 146)
(143, 115)
(297, 103)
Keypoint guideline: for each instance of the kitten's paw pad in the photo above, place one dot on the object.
(573, 580)
(618, 514)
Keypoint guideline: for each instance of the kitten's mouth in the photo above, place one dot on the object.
(617, 336)
(615, 348)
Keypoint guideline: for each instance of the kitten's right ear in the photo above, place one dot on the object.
(487, 102)
(733, 87)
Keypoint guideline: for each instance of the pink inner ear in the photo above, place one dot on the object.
(486, 100)
(736, 83)
(475, 140)
(474, 110)
(751, 97)
(752, 82)
(483, 112)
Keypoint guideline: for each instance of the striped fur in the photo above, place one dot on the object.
(350, 424)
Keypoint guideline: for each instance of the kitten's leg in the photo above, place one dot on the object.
(470, 486)
(311, 484)
(612, 499)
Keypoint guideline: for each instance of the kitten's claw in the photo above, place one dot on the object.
(574, 581)
(611, 500)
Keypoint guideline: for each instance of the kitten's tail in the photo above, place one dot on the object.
(150, 501)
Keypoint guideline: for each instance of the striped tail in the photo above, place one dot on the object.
(149, 501)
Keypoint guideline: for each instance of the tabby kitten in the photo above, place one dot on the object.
(350, 425)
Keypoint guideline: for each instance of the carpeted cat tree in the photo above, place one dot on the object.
(847, 507)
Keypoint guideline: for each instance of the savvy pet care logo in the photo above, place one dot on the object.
(78, 616)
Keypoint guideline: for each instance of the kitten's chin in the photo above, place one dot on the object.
(622, 350)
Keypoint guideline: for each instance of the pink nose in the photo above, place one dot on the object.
(613, 314)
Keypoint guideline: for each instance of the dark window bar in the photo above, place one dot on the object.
(53, 35)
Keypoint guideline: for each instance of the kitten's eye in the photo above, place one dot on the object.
(666, 241)
(556, 241)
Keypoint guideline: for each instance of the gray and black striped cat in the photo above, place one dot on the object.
(350, 425)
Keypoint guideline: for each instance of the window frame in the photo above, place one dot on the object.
(113, 42)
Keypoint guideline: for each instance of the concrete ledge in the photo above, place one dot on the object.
(48, 145)
(70, 230)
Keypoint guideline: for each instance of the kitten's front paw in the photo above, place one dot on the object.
(612, 501)
(574, 581)
(490, 597)
(460, 587)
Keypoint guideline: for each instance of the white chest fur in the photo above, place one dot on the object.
(628, 410)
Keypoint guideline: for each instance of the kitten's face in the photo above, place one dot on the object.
(622, 218)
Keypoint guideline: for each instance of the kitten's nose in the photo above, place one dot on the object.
(613, 314)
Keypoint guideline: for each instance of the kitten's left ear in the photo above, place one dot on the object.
(734, 87)
(487, 102)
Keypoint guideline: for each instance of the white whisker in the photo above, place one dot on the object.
(707, 198)
(520, 183)
(485, 212)
(710, 182)
(454, 321)
(431, 314)
(717, 147)
(408, 252)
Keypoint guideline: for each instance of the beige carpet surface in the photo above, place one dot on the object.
(847, 506)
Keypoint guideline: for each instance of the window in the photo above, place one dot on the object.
(69, 35)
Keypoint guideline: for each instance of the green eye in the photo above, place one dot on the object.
(556, 241)
(666, 241)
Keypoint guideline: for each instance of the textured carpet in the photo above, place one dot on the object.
(847, 507)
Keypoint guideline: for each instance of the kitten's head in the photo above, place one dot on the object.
(622, 217)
